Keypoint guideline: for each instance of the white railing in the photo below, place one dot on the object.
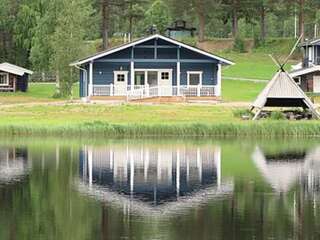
(184, 91)
(103, 90)
(142, 91)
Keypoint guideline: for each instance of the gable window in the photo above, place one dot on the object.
(194, 78)
(165, 76)
(4, 79)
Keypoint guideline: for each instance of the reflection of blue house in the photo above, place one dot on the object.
(153, 176)
(153, 66)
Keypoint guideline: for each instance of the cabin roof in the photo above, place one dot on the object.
(145, 39)
(303, 71)
(14, 69)
(310, 42)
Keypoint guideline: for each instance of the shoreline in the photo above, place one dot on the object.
(249, 129)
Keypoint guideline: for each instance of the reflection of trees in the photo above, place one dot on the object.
(44, 205)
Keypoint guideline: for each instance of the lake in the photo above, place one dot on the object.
(159, 189)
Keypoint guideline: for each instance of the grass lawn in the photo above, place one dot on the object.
(36, 93)
(241, 90)
(251, 65)
(124, 114)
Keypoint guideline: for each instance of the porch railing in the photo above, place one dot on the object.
(142, 91)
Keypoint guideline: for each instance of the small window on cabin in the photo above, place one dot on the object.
(194, 78)
(165, 76)
(121, 78)
(4, 79)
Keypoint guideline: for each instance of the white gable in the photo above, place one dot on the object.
(134, 43)
(10, 68)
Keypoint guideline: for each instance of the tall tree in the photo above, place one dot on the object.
(200, 8)
(105, 10)
(158, 14)
(68, 40)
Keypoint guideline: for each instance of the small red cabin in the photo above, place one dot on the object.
(13, 78)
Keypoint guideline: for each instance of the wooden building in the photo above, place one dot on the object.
(13, 78)
(151, 67)
(307, 73)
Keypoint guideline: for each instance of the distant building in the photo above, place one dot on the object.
(180, 30)
(307, 73)
(13, 78)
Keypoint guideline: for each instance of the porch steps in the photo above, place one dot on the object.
(177, 99)
(168, 99)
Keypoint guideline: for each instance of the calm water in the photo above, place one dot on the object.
(159, 189)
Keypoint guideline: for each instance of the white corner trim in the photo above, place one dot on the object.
(7, 79)
(194, 72)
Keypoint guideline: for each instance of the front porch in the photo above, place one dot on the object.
(145, 91)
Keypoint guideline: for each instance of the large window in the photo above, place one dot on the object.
(194, 78)
(4, 79)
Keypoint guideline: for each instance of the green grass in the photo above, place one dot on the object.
(36, 93)
(142, 120)
(251, 65)
(241, 90)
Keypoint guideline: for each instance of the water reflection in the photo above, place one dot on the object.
(160, 190)
(283, 169)
(13, 164)
(152, 178)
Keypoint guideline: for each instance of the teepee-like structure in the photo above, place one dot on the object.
(283, 91)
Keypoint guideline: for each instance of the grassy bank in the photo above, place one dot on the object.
(143, 121)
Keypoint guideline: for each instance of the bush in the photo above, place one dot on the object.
(239, 45)
(239, 113)
(277, 116)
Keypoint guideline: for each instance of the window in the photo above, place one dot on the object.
(4, 79)
(194, 78)
(165, 76)
(120, 77)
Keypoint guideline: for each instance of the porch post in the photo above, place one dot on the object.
(218, 86)
(178, 71)
(90, 79)
(132, 69)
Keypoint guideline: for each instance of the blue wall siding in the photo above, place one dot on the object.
(209, 76)
(124, 54)
(103, 72)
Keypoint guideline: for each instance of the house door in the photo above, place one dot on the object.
(316, 84)
(120, 83)
(165, 82)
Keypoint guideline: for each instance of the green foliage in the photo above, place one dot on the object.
(239, 45)
(158, 14)
(276, 115)
(239, 113)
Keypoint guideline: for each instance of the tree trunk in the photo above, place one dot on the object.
(263, 23)
(301, 19)
(131, 19)
(235, 18)
(105, 23)
(201, 18)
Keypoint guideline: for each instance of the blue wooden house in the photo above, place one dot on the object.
(151, 67)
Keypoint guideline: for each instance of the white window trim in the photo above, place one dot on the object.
(194, 72)
(116, 73)
(7, 77)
